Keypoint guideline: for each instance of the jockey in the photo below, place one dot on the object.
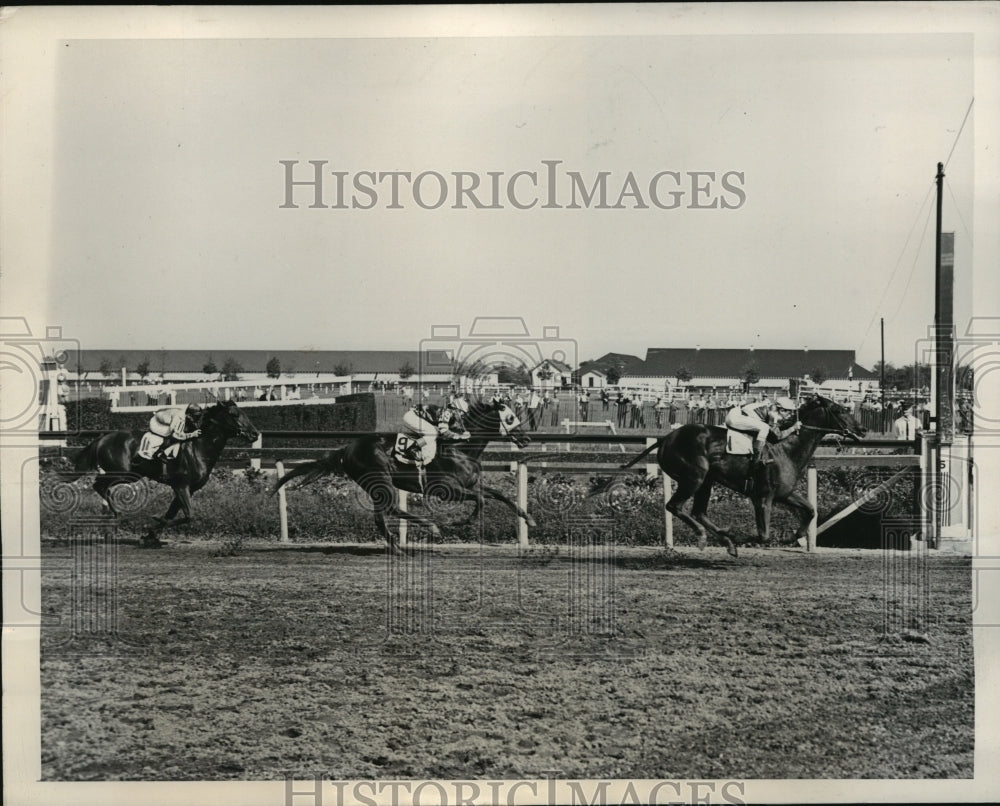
(168, 427)
(421, 425)
(761, 418)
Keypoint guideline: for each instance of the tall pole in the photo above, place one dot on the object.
(881, 383)
(936, 346)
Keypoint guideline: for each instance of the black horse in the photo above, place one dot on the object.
(695, 457)
(454, 474)
(114, 458)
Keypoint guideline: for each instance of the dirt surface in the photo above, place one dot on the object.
(189, 663)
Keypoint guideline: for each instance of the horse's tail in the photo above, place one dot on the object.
(648, 450)
(86, 461)
(604, 486)
(308, 472)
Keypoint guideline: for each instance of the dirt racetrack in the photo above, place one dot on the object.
(470, 662)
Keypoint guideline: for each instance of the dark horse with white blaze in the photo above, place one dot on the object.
(453, 475)
(114, 458)
(695, 457)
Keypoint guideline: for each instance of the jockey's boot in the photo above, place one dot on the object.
(757, 465)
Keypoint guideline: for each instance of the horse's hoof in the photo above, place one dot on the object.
(702, 542)
(531, 522)
(732, 551)
(435, 532)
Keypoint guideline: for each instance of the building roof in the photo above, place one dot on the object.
(301, 361)
(729, 363)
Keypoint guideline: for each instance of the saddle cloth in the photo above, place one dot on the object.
(738, 443)
(401, 450)
(150, 442)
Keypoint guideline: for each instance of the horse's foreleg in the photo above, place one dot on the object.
(801, 505)
(699, 511)
(766, 504)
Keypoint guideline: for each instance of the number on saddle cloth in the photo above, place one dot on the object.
(401, 449)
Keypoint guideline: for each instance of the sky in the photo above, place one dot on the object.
(168, 229)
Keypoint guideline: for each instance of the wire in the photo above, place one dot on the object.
(958, 212)
(916, 258)
(960, 129)
(895, 268)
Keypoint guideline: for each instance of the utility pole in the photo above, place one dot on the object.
(881, 383)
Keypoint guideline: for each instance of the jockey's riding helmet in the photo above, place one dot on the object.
(194, 408)
(786, 403)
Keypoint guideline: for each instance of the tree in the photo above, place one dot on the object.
(343, 368)
(209, 367)
(545, 372)
(514, 376)
(911, 376)
(143, 367)
(683, 374)
(231, 369)
(406, 371)
(273, 367)
(106, 369)
(750, 375)
(613, 375)
(817, 375)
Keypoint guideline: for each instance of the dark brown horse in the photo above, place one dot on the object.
(695, 457)
(454, 474)
(113, 457)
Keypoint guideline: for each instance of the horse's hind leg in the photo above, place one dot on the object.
(102, 485)
(496, 495)
(385, 499)
(700, 512)
(685, 489)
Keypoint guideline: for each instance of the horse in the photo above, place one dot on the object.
(114, 458)
(453, 475)
(695, 457)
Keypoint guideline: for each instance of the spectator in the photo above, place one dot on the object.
(907, 426)
(658, 408)
(518, 404)
(965, 415)
(605, 401)
(622, 407)
(584, 401)
(710, 408)
(293, 393)
(534, 402)
(672, 413)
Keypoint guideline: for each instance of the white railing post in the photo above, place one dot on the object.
(282, 502)
(258, 444)
(652, 467)
(812, 488)
(522, 501)
(403, 523)
(668, 519)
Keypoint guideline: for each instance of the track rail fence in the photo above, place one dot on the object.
(550, 453)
